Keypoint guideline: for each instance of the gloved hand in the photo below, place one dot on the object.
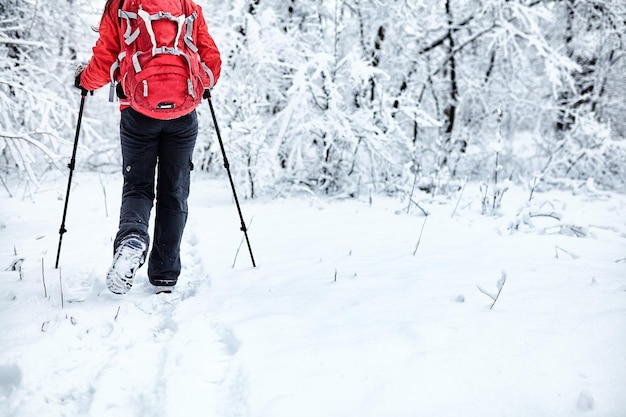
(119, 91)
(77, 73)
(207, 93)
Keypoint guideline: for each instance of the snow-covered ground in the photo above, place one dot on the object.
(339, 319)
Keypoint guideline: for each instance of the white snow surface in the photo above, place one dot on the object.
(339, 319)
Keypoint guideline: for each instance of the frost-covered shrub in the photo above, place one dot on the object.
(38, 43)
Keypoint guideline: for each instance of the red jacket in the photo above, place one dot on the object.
(108, 47)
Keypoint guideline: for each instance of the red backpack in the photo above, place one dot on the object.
(159, 67)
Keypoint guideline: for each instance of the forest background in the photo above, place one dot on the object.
(346, 97)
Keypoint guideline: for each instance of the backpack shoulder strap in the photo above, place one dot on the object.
(189, 32)
(128, 37)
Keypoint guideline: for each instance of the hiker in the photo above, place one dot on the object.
(161, 61)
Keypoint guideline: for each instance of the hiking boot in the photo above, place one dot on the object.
(160, 289)
(129, 256)
(162, 286)
(159, 282)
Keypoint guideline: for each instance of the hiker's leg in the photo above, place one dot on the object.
(139, 139)
(175, 152)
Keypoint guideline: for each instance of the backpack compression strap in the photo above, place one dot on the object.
(148, 18)
(128, 38)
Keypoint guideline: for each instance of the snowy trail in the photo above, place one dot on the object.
(339, 319)
(105, 355)
(133, 355)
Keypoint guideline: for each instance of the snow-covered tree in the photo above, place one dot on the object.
(589, 124)
(37, 54)
(345, 95)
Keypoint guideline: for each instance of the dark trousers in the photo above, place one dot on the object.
(164, 148)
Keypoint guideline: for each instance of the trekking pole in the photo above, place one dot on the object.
(230, 177)
(71, 165)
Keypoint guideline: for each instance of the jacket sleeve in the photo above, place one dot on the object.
(209, 54)
(105, 52)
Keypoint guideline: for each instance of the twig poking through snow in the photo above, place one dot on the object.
(459, 199)
(16, 265)
(43, 278)
(61, 287)
(104, 191)
(408, 207)
(423, 210)
(558, 248)
(5, 187)
(491, 295)
(419, 240)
